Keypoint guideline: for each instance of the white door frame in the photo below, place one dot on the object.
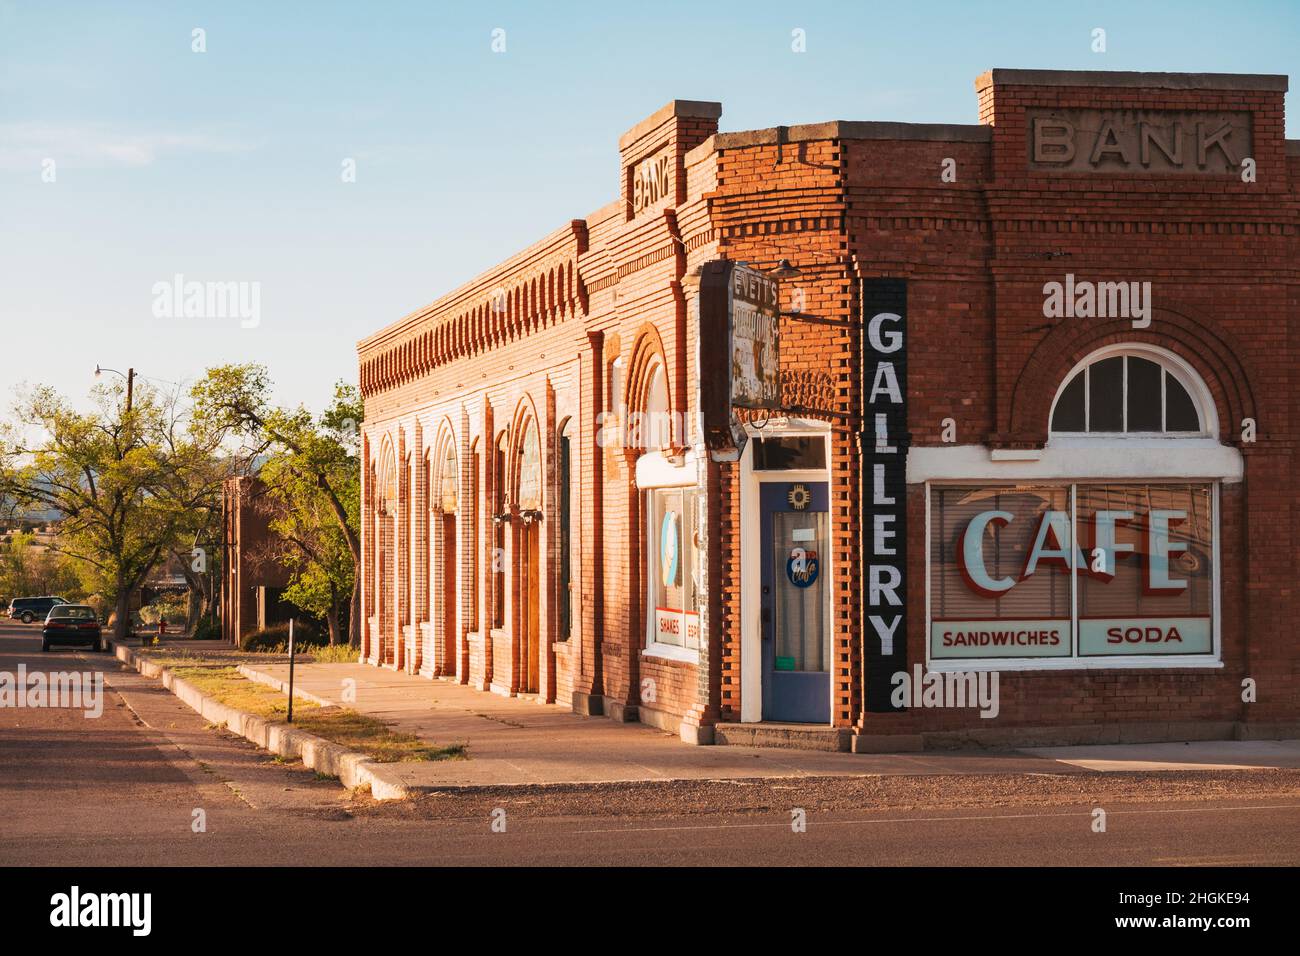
(751, 547)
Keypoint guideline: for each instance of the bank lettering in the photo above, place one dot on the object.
(650, 181)
(1138, 141)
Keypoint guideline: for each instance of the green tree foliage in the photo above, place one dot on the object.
(313, 546)
(128, 485)
(313, 472)
(30, 569)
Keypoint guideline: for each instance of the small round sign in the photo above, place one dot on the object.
(802, 567)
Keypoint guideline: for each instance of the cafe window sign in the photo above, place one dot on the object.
(1079, 573)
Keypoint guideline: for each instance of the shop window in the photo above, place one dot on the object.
(789, 452)
(565, 583)
(672, 535)
(476, 506)
(1077, 574)
(1128, 393)
(499, 520)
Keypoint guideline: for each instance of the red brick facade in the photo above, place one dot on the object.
(247, 563)
(487, 383)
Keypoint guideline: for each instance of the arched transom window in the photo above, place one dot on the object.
(656, 428)
(1132, 391)
(530, 471)
(448, 481)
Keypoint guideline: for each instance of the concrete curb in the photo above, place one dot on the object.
(353, 769)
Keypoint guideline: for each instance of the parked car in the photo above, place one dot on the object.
(72, 624)
(29, 609)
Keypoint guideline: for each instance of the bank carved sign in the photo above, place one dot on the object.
(651, 181)
(1139, 141)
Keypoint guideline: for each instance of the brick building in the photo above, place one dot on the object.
(251, 581)
(1033, 419)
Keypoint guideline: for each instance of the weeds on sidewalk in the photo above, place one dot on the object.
(339, 725)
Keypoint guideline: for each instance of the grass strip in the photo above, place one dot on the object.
(339, 725)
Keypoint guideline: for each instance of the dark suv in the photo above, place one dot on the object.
(29, 609)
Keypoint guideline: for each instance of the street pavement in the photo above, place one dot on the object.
(517, 740)
(123, 789)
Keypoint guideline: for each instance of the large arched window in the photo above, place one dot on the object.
(655, 425)
(1132, 390)
(529, 496)
(448, 483)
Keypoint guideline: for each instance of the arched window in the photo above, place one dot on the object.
(448, 486)
(1132, 390)
(530, 471)
(388, 482)
(499, 532)
(656, 430)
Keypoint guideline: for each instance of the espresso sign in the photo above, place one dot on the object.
(1139, 141)
(739, 347)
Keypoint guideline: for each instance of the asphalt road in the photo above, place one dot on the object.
(147, 783)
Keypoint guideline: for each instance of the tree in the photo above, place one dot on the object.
(308, 541)
(27, 569)
(127, 483)
(315, 465)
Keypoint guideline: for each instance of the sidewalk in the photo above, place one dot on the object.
(515, 741)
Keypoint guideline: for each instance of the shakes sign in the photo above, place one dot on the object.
(739, 319)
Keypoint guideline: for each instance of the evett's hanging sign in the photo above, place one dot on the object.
(740, 348)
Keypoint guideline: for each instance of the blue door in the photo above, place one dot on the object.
(795, 626)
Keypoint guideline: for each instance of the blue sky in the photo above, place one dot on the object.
(226, 165)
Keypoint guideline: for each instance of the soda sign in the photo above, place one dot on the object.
(1137, 635)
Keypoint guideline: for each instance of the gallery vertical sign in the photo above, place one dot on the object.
(883, 441)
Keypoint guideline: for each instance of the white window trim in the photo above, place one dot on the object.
(1212, 661)
(654, 470)
(1082, 458)
(671, 652)
(651, 646)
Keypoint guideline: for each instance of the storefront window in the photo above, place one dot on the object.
(673, 552)
(1079, 572)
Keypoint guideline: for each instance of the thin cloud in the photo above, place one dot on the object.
(26, 145)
